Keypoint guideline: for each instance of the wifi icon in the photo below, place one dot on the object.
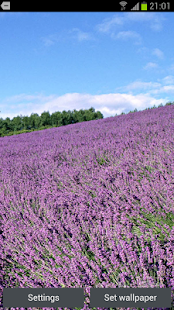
(123, 4)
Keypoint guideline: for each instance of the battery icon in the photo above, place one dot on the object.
(144, 6)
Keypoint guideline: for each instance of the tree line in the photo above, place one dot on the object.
(21, 124)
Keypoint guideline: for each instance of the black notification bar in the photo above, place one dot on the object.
(112, 6)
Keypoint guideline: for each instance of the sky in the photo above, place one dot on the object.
(111, 61)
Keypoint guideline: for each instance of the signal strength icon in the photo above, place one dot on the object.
(123, 4)
(136, 7)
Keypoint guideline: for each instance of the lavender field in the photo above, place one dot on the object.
(90, 204)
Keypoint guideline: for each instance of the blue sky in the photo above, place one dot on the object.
(114, 62)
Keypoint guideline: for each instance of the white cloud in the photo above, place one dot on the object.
(157, 52)
(81, 35)
(164, 89)
(124, 35)
(168, 88)
(24, 97)
(140, 85)
(168, 79)
(146, 52)
(74, 33)
(150, 65)
(151, 88)
(50, 39)
(110, 25)
(108, 104)
(143, 50)
(154, 20)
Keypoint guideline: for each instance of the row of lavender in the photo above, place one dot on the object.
(90, 204)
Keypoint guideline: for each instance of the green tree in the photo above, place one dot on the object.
(98, 115)
(75, 116)
(92, 110)
(56, 119)
(26, 122)
(35, 120)
(65, 118)
(17, 123)
(88, 115)
(70, 117)
(3, 132)
(7, 124)
(1, 122)
(80, 116)
(45, 118)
